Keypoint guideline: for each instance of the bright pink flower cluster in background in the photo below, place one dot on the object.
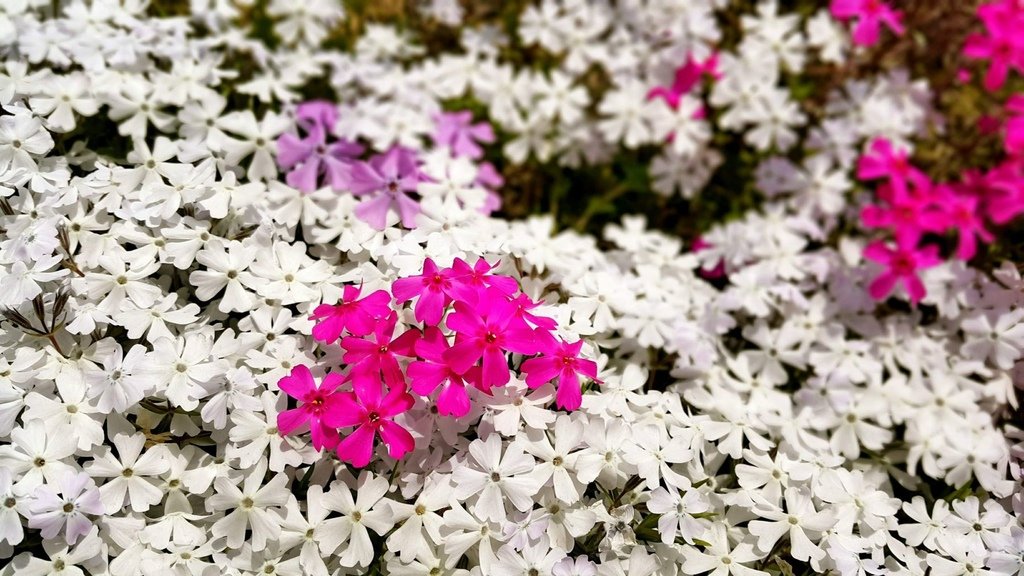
(870, 16)
(916, 211)
(314, 158)
(471, 319)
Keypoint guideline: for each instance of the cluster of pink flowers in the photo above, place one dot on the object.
(914, 209)
(314, 158)
(471, 321)
(870, 16)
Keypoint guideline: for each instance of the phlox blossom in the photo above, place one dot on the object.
(457, 131)
(370, 359)
(433, 370)
(562, 362)
(372, 413)
(870, 16)
(432, 288)
(355, 315)
(486, 331)
(902, 263)
(1002, 44)
(385, 180)
(317, 401)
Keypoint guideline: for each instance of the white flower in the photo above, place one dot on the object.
(367, 511)
(255, 506)
(52, 512)
(495, 477)
(131, 473)
(996, 337)
(721, 558)
(799, 518)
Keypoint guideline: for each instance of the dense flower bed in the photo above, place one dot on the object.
(264, 311)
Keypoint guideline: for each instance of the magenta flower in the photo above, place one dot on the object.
(432, 287)
(385, 180)
(885, 161)
(457, 131)
(373, 414)
(687, 77)
(469, 281)
(1002, 46)
(316, 402)
(908, 216)
(1014, 139)
(902, 264)
(371, 359)
(965, 216)
(565, 364)
(487, 330)
(1003, 189)
(523, 304)
(358, 317)
(870, 15)
(433, 370)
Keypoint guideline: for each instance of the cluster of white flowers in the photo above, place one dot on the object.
(157, 277)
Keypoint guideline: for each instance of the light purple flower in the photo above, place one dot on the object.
(320, 113)
(312, 159)
(456, 131)
(385, 180)
(50, 512)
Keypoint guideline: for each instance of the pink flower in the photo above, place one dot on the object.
(317, 113)
(909, 216)
(311, 158)
(386, 179)
(316, 402)
(965, 216)
(1014, 139)
(1002, 46)
(885, 161)
(1003, 192)
(687, 77)
(902, 264)
(432, 287)
(433, 370)
(373, 414)
(468, 281)
(457, 131)
(371, 359)
(565, 364)
(524, 304)
(356, 316)
(870, 15)
(487, 330)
